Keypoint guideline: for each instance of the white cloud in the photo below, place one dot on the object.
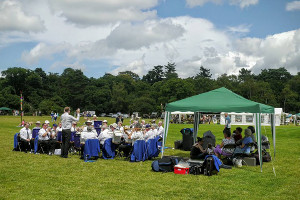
(294, 5)
(194, 3)
(43, 51)
(13, 18)
(94, 12)
(278, 50)
(241, 3)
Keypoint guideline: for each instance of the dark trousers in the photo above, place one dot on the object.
(45, 145)
(26, 146)
(66, 135)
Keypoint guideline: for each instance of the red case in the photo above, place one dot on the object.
(179, 170)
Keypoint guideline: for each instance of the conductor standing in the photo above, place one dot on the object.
(66, 120)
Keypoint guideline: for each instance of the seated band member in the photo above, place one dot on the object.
(106, 134)
(59, 128)
(136, 134)
(74, 127)
(37, 125)
(104, 125)
(126, 146)
(160, 129)
(44, 139)
(27, 144)
(88, 133)
(120, 127)
(53, 136)
(148, 133)
(94, 119)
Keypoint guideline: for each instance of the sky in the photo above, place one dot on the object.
(100, 36)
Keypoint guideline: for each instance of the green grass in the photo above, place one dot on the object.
(29, 176)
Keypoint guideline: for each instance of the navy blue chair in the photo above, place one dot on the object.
(36, 144)
(59, 136)
(98, 130)
(152, 148)
(17, 144)
(91, 148)
(139, 152)
(109, 149)
(97, 124)
(35, 132)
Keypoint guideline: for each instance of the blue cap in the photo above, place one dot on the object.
(55, 125)
(148, 126)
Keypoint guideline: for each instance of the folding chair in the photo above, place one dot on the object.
(97, 124)
(37, 146)
(17, 143)
(98, 130)
(152, 148)
(91, 148)
(77, 143)
(35, 132)
(109, 149)
(139, 152)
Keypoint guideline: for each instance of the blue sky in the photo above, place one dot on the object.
(109, 37)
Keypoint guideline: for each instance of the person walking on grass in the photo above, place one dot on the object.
(66, 120)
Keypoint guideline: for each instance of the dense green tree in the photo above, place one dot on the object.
(154, 75)
(170, 71)
(131, 74)
(204, 73)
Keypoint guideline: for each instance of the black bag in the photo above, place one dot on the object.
(166, 164)
(187, 139)
(266, 157)
(209, 168)
(178, 144)
(196, 170)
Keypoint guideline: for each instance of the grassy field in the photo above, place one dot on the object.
(29, 176)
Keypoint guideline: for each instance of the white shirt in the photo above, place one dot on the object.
(137, 135)
(53, 132)
(149, 135)
(106, 134)
(160, 131)
(41, 133)
(66, 120)
(86, 135)
(23, 133)
(59, 129)
(73, 129)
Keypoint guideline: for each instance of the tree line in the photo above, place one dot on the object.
(127, 92)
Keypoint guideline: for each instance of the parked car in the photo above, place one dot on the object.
(110, 115)
(162, 115)
(153, 115)
(103, 114)
(114, 115)
(125, 115)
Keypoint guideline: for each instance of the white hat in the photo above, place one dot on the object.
(105, 121)
(47, 122)
(114, 125)
(88, 121)
(94, 115)
(37, 122)
(74, 122)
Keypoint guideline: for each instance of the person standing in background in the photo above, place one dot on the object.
(227, 122)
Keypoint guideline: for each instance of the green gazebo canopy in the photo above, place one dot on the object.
(218, 100)
(4, 108)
